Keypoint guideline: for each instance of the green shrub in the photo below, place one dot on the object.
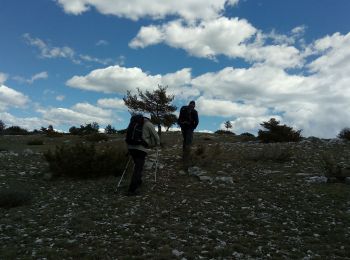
(247, 134)
(278, 133)
(15, 130)
(35, 142)
(224, 132)
(96, 137)
(344, 134)
(12, 198)
(122, 131)
(85, 161)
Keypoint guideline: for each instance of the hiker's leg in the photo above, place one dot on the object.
(139, 161)
(187, 148)
(183, 131)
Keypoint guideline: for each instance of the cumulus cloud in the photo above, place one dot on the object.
(79, 114)
(114, 103)
(232, 37)
(117, 79)
(206, 39)
(11, 98)
(335, 54)
(29, 123)
(49, 52)
(225, 108)
(155, 9)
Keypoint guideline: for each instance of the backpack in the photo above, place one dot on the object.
(185, 117)
(134, 131)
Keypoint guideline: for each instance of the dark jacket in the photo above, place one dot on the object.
(188, 118)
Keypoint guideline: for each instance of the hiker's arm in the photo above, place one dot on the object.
(154, 135)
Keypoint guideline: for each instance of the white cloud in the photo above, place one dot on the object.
(156, 9)
(79, 114)
(116, 79)
(3, 78)
(148, 35)
(207, 39)
(11, 98)
(262, 81)
(335, 54)
(225, 108)
(40, 75)
(114, 103)
(102, 43)
(49, 52)
(232, 37)
(89, 109)
(249, 124)
(60, 97)
(29, 123)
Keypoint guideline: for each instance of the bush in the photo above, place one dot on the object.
(13, 198)
(96, 137)
(122, 131)
(85, 161)
(35, 142)
(278, 133)
(224, 132)
(344, 134)
(247, 134)
(110, 130)
(87, 129)
(15, 130)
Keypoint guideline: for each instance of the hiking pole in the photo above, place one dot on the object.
(155, 171)
(126, 167)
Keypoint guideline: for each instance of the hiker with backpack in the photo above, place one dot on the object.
(188, 121)
(140, 137)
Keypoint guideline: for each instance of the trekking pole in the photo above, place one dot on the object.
(155, 171)
(126, 167)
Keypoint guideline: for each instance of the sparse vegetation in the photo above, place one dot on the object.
(273, 153)
(344, 134)
(96, 137)
(15, 130)
(109, 129)
(224, 132)
(85, 161)
(35, 142)
(278, 133)
(265, 206)
(87, 129)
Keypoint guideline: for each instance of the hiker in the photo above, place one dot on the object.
(188, 121)
(141, 136)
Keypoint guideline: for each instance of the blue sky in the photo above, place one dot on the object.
(70, 62)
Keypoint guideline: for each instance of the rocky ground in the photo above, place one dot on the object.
(239, 200)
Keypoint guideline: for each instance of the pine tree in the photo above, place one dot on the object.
(110, 130)
(228, 125)
(156, 103)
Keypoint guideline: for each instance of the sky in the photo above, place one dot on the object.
(70, 62)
